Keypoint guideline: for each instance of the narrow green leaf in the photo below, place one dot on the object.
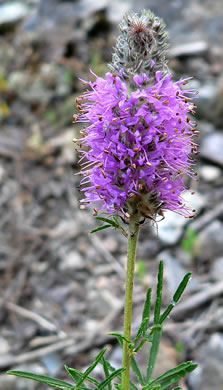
(172, 371)
(140, 345)
(108, 380)
(175, 378)
(177, 388)
(145, 317)
(181, 287)
(99, 228)
(106, 371)
(166, 313)
(112, 369)
(141, 329)
(118, 386)
(148, 387)
(115, 219)
(48, 380)
(154, 329)
(176, 297)
(146, 310)
(107, 220)
(119, 337)
(153, 354)
(132, 386)
(137, 372)
(148, 337)
(73, 374)
(76, 374)
(91, 367)
(158, 294)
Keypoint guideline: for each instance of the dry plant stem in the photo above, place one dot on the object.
(132, 243)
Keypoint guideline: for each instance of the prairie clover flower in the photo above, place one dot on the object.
(139, 145)
(139, 135)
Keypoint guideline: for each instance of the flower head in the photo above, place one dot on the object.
(138, 145)
(141, 46)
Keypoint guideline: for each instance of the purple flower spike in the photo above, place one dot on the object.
(138, 145)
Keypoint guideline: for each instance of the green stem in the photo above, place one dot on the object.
(132, 242)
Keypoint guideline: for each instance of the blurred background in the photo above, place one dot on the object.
(61, 290)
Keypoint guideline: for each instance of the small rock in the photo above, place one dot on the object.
(120, 7)
(8, 382)
(171, 228)
(194, 378)
(206, 127)
(41, 87)
(110, 243)
(91, 326)
(194, 200)
(216, 270)
(184, 256)
(53, 363)
(29, 89)
(166, 358)
(189, 49)
(205, 100)
(11, 13)
(173, 270)
(88, 7)
(101, 303)
(210, 173)
(212, 146)
(115, 357)
(68, 228)
(72, 261)
(218, 109)
(60, 294)
(4, 346)
(209, 243)
(2, 174)
(209, 375)
(149, 246)
(23, 383)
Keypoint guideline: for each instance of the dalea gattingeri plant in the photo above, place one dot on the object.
(135, 148)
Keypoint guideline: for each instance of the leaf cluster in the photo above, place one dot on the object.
(153, 335)
(77, 376)
(146, 334)
(109, 222)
